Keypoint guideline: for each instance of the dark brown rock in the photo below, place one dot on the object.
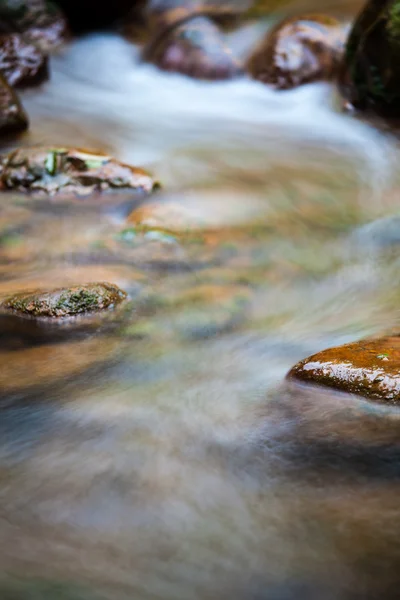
(13, 118)
(369, 368)
(66, 302)
(71, 171)
(21, 62)
(40, 20)
(299, 50)
(370, 77)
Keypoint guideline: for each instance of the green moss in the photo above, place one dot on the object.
(77, 302)
(394, 20)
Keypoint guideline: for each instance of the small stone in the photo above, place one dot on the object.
(13, 118)
(369, 368)
(69, 171)
(66, 302)
(21, 62)
(299, 50)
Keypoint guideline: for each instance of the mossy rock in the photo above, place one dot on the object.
(66, 302)
(369, 368)
(69, 171)
(370, 77)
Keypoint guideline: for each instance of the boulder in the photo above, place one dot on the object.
(65, 302)
(369, 368)
(299, 50)
(370, 76)
(21, 62)
(13, 118)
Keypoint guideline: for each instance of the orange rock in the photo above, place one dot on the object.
(369, 368)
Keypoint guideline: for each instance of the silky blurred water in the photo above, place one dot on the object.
(157, 452)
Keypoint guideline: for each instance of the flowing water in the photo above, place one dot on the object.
(157, 452)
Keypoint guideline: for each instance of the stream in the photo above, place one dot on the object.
(157, 452)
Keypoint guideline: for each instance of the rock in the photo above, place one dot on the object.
(370, 77)
(13, 118)
(196, 48)
(368, 368)
(299, 50)
(40, 20)
(72, 171)
(21, 62)
(66, 302)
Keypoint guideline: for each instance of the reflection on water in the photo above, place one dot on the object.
(158, 453)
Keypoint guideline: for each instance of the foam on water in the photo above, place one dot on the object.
(100, 94)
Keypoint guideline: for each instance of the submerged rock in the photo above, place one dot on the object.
(66, 302)
(40, 20)
(299, 50)
(13, 118)
(370, 76)
(71, 171)
(369, 368)
(21, 62)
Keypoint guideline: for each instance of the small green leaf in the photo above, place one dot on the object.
(383, 356)
(51, 163)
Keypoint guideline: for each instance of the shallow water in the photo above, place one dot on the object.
(157, 452)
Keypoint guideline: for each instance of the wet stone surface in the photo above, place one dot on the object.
(299, 50)
(40, 20)
(21, 61)
(70, 171)
(370, 76)
(13, 118)
(67, 302)
(369, 368)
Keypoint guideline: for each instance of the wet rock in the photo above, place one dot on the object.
(71, 171)
(196, 48)
(369, 368)
(21, 62)
(40, 20)
(371, 72)
(13, 118)
(299, 50)
(66, 302)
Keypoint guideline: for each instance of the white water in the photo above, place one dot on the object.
(101, 95)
